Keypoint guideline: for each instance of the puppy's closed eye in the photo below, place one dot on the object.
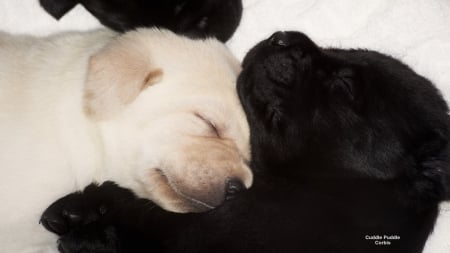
(213, 127)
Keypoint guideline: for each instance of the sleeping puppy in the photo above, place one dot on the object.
(155, 112)
(195, 18)
(350, 150)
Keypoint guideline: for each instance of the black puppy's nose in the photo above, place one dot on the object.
(294, 39)
(279, 39)
(233, 187)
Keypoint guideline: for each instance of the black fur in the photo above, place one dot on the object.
(346, 144)
(194, 18)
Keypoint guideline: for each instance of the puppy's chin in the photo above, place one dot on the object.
(165, 194)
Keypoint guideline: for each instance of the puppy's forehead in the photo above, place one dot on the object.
(193, 70)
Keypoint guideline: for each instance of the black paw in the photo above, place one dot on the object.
(81, 208)
(59, 221)
(69, 212)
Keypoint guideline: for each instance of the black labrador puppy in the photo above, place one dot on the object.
(194, 18)
(350, 154)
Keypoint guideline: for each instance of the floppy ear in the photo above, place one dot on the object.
(116, 76)
(58, 8)
(433, 179)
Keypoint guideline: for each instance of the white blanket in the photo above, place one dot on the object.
(416, 31)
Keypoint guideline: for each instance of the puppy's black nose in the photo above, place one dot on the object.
(233, 187)
(293, 39)
(279, 39)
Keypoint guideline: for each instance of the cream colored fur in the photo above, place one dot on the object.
(154, 112)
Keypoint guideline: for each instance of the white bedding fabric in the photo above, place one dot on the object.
(416, 31)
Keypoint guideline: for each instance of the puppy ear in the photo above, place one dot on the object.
(116, 76)
(58, 8)
(433, 177)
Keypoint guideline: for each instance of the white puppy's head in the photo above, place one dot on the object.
(173, 128)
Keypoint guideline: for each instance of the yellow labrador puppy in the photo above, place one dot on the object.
(150, 110)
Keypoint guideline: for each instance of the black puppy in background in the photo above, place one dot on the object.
(194, 18)
(350, 152)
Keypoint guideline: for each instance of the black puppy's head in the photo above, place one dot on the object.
(343, 113)
(193, 18)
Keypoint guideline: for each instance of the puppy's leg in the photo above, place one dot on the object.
(111, 219)
(91, 238)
